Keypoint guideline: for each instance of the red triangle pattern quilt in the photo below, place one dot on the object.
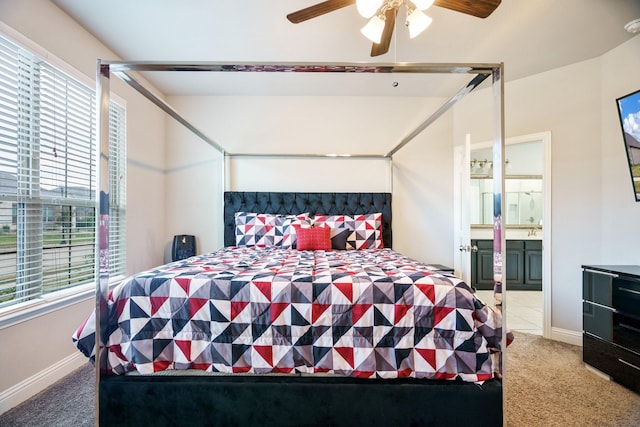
(371, 313)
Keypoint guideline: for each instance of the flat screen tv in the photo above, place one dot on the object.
(629, 112)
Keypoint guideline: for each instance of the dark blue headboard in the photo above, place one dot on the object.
(314, 203)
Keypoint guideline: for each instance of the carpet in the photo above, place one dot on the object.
(546, 385)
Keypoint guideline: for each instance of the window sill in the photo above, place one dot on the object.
(28, 310)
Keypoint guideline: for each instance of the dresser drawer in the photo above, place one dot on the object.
(611, 326)
(596, 287)
(626, 295)
(619, 292)
(622, 365)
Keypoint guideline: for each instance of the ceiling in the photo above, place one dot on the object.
(529, 37)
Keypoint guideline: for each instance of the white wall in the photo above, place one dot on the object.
(524, 158)
(29, 348)
(423, 195)
(620, 212)
(594, 215)
(422, 199)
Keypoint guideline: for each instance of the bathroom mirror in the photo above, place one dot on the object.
(523, 201)
(523, 185)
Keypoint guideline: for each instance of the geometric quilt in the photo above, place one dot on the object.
(371, 313)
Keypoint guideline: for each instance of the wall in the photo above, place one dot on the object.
(423, 195)
(38, 351)
(422, 200)
(591, 194)
(620, 212)
(524, 158)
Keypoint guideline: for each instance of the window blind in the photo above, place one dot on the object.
(48, 178)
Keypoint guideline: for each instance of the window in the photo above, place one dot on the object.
(48, 179)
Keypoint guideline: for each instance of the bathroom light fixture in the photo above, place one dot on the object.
(485, 163)
(485, 166)
(416, 21)
(481, 166)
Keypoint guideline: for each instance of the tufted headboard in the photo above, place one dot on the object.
(314, 203)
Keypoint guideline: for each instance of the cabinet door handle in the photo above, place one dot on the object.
(629, 364)
(631, 291)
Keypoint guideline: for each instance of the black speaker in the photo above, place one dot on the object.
(184, 246)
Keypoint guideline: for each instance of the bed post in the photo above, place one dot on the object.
(102, 223)
(499, 268)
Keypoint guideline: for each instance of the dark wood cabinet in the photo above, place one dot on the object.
(523, 262)
(611, 321)
(533, 263)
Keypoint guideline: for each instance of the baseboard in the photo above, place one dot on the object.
(28, 388)
(567, 336)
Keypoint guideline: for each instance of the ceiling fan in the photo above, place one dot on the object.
(383, 15)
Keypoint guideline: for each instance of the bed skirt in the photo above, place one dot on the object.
(295, 401)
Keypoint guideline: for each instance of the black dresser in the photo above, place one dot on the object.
(611, 321)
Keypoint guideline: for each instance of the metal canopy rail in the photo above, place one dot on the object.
(480, 72)
(125, 70)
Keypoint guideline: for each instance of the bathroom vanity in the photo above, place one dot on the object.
(523, 263)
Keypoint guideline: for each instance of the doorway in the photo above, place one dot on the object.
(527, 225)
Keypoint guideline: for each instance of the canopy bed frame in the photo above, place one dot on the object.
(191, 399)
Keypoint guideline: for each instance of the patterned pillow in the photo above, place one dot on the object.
(313, 238)
(364, 231)
(266, 230)
(339, 237)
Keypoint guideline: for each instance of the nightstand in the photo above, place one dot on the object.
(440, 268)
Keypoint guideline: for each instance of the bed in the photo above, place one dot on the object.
(382, 392)
(304, 348)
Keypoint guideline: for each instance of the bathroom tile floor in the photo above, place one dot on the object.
(524, 309)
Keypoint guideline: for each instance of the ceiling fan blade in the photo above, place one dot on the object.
(389, 23)
(478, 8)
(317, 10)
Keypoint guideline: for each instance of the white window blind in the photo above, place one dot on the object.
(48, 179)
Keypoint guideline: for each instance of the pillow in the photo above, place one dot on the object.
(285, 225)
(339, 237)
(313, 238)
(267, 230)
(362, 231)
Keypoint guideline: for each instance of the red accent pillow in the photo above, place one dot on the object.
(313, 238)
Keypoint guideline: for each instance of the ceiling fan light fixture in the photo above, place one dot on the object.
(383, 15)
(633, 26)
(423, 4)
(368, 8)
(417, 22)
(373, 29)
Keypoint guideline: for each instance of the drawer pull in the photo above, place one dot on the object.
(604, 273)
(631, 291)
(629, 364)
(629, 327)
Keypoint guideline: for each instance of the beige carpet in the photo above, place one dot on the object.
(546, 384)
